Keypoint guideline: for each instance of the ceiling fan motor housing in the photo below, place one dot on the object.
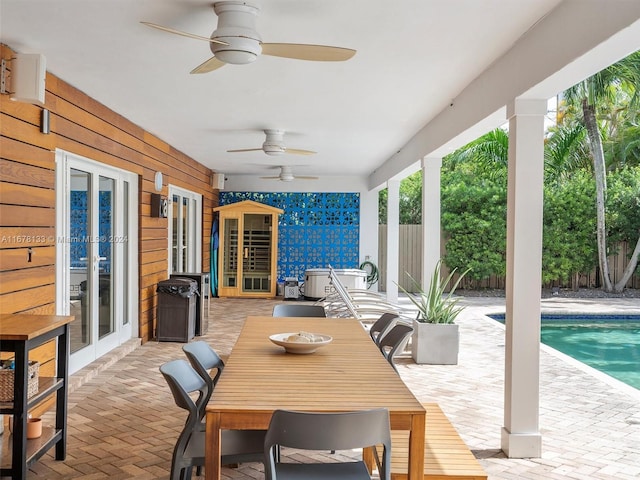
(286, 174)
(237, 27)
(274, 143)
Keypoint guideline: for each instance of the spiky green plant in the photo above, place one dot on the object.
(434, 305)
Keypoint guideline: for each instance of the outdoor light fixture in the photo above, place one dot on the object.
(158, 181)
(236, 57)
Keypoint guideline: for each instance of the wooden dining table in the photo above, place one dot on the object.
(347, 374)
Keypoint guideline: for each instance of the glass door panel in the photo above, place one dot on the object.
(184, 227)
(256, 255)
(230, 249)
(91, 225)
(80, 252)
(176, 246)
(106, 324)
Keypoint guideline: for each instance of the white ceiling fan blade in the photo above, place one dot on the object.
(209, 66)
(304, 177)
(297, 151)
(245, 150)
(184, 34)
(317, 53)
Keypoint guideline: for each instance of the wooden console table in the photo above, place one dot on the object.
(20, 333)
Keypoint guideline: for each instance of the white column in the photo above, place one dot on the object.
(430, 217)
(521, 435)
(369, 229)
(393, 238)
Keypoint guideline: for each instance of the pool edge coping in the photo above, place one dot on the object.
(601, 376)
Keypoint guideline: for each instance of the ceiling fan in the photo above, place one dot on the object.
(274, 145)
(286, 175)
(236, 40)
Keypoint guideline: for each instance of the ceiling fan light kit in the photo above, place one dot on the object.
(272, 149)
(237, 57)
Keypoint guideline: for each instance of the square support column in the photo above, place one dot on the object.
(431, 228)
(393, 238)
(520, 434)
(369, 229)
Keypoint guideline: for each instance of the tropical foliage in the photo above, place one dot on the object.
(591, 192)
(608, 100)
(410, 201)
(474, 219)
(568, 228)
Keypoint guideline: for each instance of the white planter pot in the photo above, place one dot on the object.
(435, 343)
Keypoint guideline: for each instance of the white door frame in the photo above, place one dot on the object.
(194, 232)
(124, 307)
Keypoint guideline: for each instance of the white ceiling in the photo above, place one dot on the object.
(414, 57)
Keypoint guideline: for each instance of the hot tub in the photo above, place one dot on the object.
(317, 284)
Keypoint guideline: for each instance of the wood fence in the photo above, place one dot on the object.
(410, 261)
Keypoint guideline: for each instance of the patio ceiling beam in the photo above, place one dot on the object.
(577, 39)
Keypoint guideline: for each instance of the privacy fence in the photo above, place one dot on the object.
(410, 261)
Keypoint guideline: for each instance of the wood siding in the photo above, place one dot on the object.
(82, 126)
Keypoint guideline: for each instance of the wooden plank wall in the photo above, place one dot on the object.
(83, 126)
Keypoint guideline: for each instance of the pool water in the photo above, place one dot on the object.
(608, 343)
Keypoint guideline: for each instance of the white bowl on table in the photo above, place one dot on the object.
(283, 340)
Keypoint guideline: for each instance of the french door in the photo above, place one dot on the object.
(185, 230)
(97, 214)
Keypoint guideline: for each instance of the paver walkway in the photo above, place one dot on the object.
(123, 422)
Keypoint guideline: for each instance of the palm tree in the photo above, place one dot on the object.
(600, 90)
(489, 153)
(564, 150)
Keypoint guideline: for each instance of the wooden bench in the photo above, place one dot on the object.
(446, 456)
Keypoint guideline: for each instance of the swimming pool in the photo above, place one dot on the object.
(608, 343)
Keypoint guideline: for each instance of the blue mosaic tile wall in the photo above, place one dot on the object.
(79, 233)
(315, 230)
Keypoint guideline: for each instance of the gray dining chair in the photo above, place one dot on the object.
(298, 310)
(394, 341)
(327, 431)
(189, 451)
(381, 326)
(204, 360)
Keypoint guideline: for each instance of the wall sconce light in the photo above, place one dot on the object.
(44, 121)
(158, 181)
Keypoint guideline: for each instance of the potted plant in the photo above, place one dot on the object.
(435, 337)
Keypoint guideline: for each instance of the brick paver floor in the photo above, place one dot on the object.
(123, 422)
